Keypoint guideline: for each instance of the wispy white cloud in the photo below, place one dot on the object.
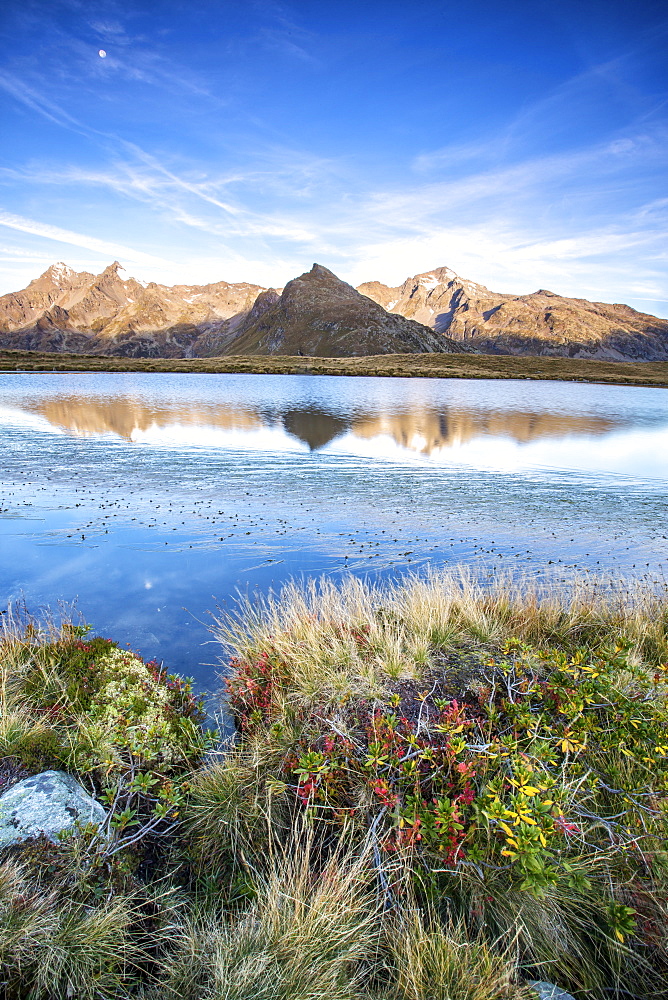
(281, 41)
(36, 101)
(198, 190)
(280, 29)
(107, 247)
(70, 59)
(557, 112)
(572, 173)
(570, 221)
(456, 154)
(130, 60)
(594, 265)
(19, 254)
(163, 190)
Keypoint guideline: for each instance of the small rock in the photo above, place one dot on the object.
(548, 991)
(46, 804)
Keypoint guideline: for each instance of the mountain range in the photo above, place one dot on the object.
(316, 314)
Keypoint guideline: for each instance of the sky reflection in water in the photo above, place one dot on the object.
(144, 495)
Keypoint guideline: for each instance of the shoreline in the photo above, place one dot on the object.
(456, 366)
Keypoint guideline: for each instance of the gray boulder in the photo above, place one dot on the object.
(49, 804)
(548, 991)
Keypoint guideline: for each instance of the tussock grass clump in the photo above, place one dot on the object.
(352, 640)
(307, 934)
(434, 960)
(237, 807)
(52, 948)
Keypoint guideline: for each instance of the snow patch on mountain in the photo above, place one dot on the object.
(60, 271)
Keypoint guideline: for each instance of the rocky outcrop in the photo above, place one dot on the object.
(47, 805)
(321, 316)
(542, 323)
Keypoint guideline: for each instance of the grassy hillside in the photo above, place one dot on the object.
(393, 365)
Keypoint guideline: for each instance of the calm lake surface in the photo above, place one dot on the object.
(151, 499)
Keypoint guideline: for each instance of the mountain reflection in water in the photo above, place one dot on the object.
(146, 495)
(422, 429)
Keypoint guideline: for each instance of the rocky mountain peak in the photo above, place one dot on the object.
(541, 322)
(439, 276)
(266, 300)
(321, 273)
(59, 271)
(318, 314)
(116, 272)
(320, 277)
(317, 285)
(58, 275)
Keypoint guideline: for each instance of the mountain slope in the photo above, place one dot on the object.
(541, 323)
(316, 314)
(319, 315)
(112, 313)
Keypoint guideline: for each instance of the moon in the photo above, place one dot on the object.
(102, 54)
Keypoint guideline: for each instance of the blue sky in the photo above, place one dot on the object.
(523, 144)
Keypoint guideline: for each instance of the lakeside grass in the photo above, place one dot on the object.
(440, 789)
(476, 366)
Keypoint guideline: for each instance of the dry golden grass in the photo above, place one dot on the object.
(52, 947)
(390, 365)
(306, 935)
(313, 629)
(437, 961)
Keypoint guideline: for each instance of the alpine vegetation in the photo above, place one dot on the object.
(440, 788)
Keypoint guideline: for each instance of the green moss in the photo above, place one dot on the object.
(112, 707)
(126, 728)
(40, 749)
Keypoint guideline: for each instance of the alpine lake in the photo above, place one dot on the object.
(147, 501)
